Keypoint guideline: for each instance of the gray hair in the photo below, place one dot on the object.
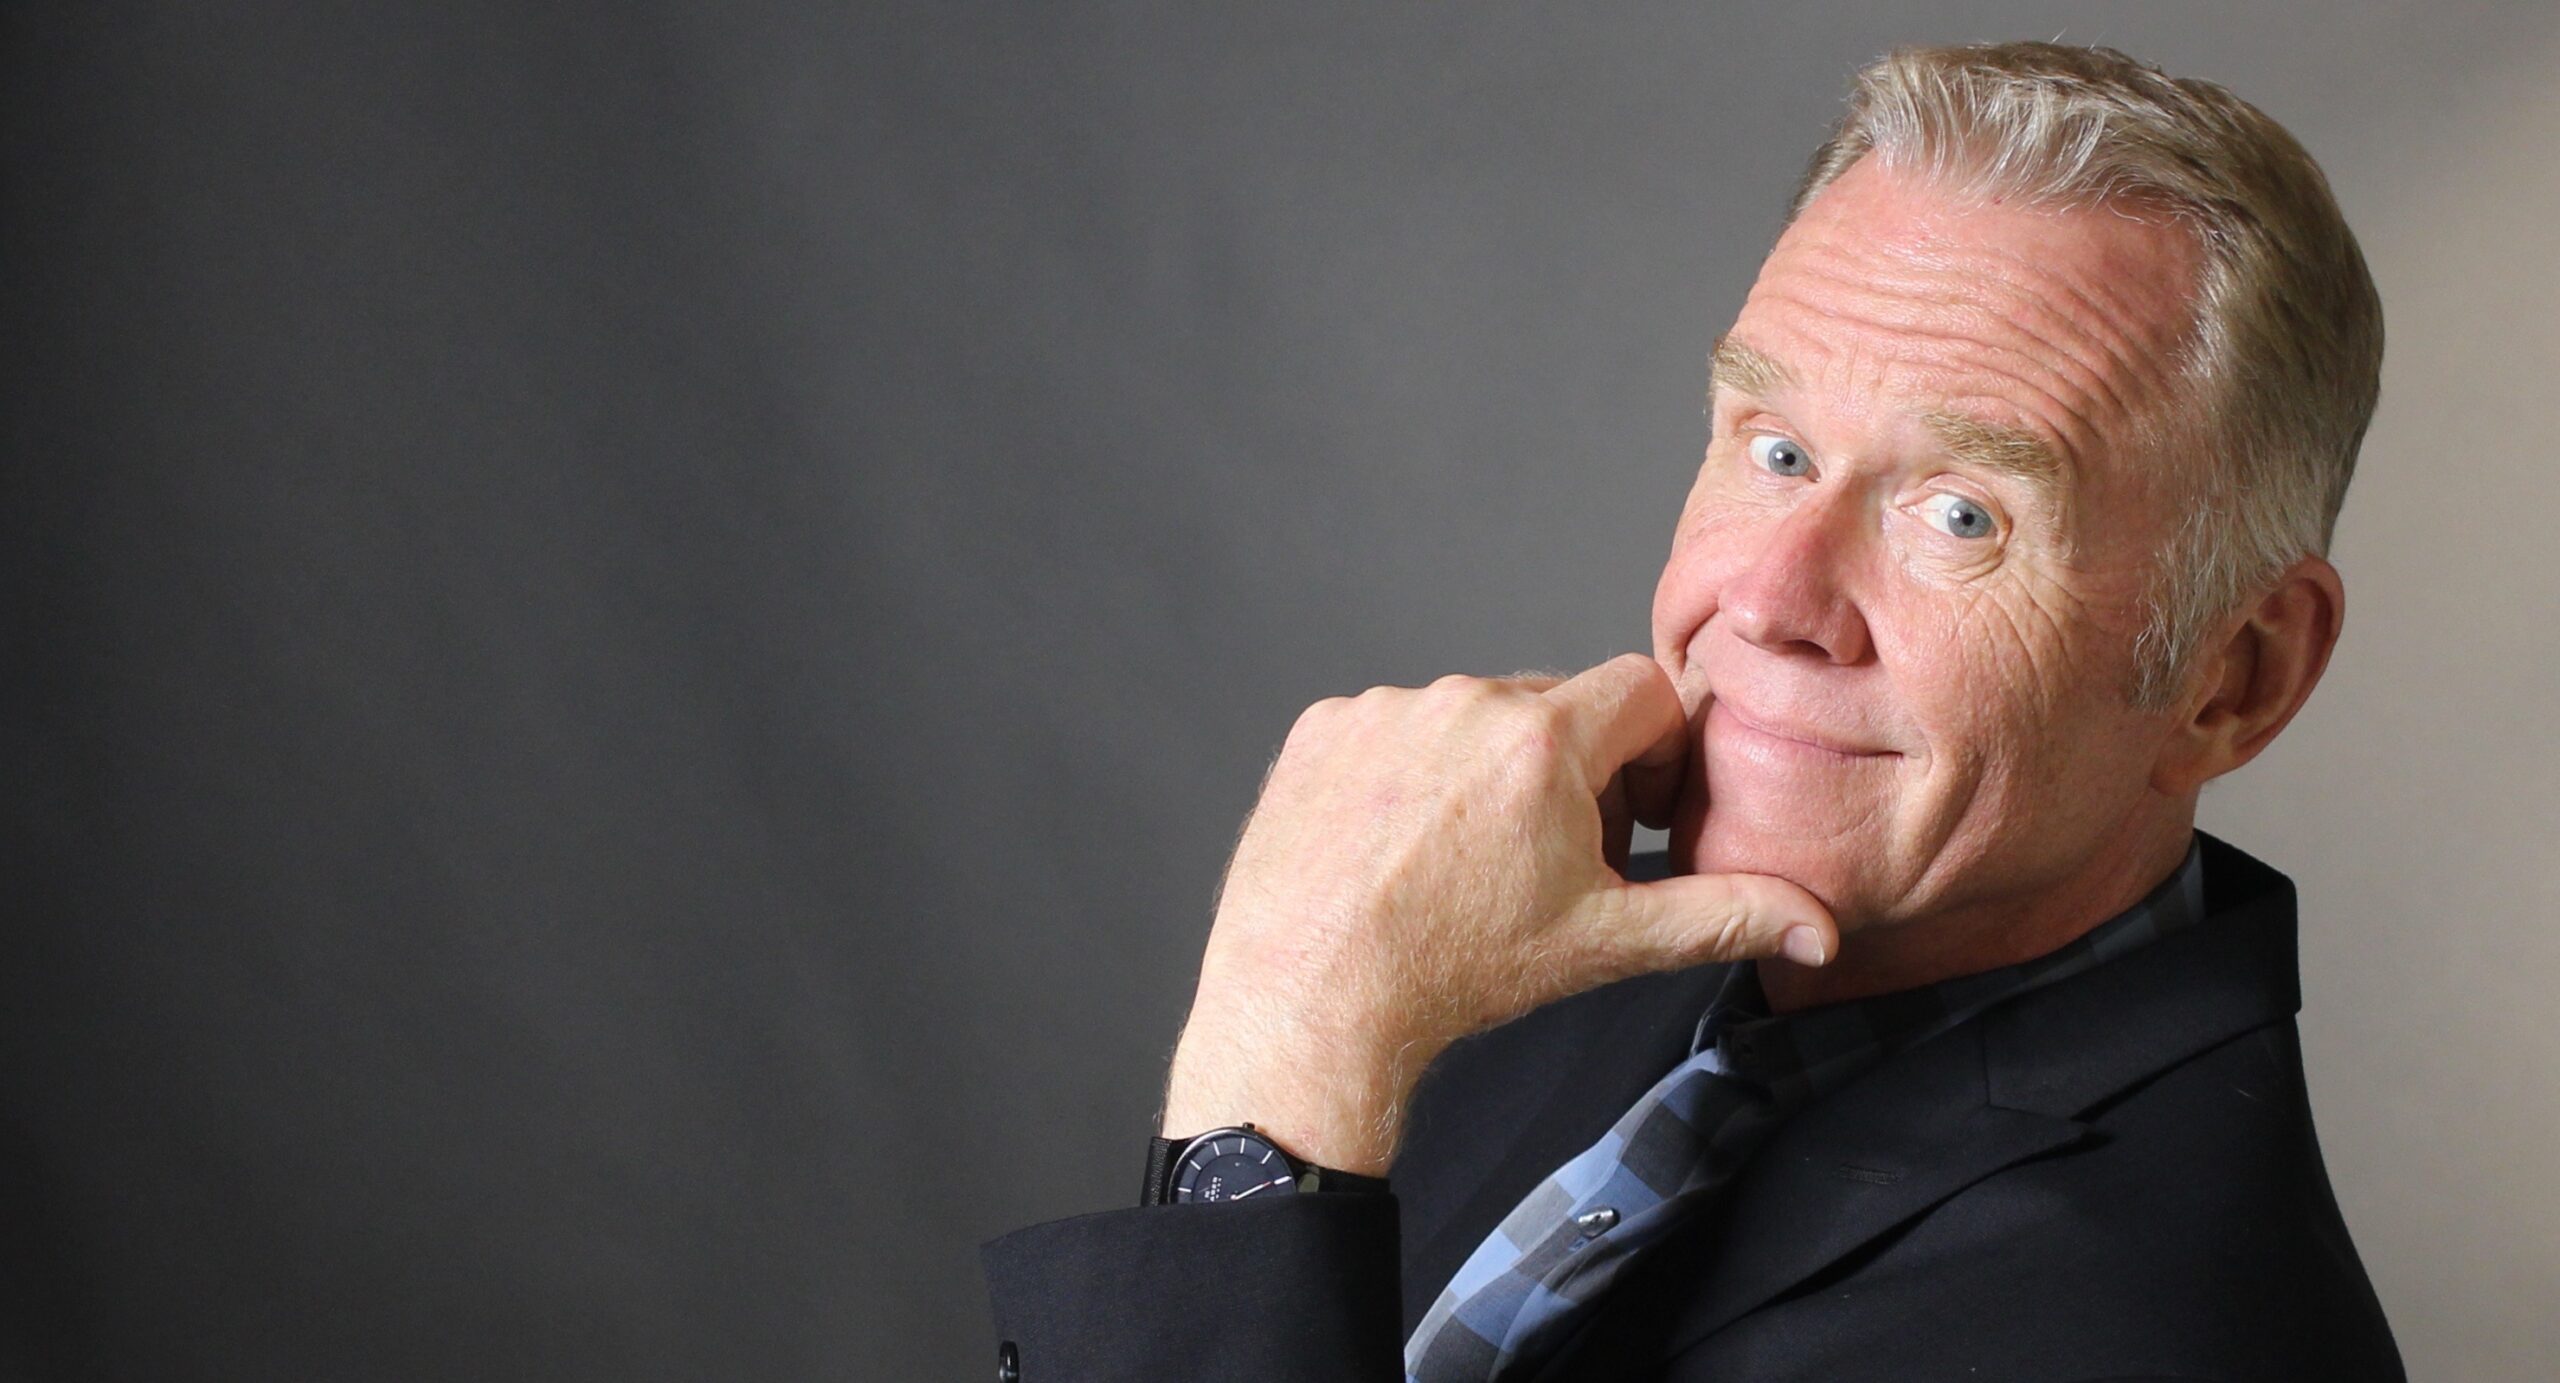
(2283, 362)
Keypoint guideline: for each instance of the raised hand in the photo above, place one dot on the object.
(1424, 864)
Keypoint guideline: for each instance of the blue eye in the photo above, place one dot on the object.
(1781, 456)
(1958, 517)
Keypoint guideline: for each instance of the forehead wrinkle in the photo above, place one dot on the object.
(2143, 345)
(2111, 327)
(2023, 369)
(2017, 324)
(2081, 346)
(2060, 362)
(2048, 368)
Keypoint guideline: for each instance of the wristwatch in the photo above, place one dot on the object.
(1231, 1164)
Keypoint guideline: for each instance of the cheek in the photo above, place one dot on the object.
(1682, 599)
(1979, 686)
(2026, 720)
(1704, 552)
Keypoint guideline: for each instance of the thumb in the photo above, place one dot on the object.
(1693, 919)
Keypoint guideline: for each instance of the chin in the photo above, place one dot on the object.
(1830, 867)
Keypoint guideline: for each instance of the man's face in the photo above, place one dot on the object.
(1901, 603)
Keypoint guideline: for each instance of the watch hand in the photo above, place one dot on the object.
(1240, 1195)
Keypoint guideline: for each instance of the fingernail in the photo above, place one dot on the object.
(1803, 945)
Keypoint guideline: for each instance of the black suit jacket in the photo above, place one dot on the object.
(2113, 1177)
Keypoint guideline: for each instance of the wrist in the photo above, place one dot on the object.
(1330, 1098)
(1240, 1162)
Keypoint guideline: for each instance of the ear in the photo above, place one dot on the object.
(2247, 687)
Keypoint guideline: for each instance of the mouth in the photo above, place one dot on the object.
(1767, 735)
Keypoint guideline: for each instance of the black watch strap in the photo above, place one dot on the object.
(1348, 1183)
(1160, 1155)
(1163, 1153)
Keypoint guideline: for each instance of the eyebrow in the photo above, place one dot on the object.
(1983, 445)
(1733, 365)
(2000, 449)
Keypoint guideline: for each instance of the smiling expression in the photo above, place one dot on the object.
(1902, 599)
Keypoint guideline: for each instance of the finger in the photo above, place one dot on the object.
(1653, 791)
(1692, 919)
(1617, 825)
(1624, 712)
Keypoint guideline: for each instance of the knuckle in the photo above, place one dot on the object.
(1330, 708)
(1317, 718)
(1697, 930)
(1455, 688)
(1549, 724)
(1531, 737)
(1722, 938)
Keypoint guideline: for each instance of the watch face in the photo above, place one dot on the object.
(1229, 1166)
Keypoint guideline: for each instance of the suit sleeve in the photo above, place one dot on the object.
(1301, 1287)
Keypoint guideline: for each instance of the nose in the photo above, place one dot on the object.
(1794, 595)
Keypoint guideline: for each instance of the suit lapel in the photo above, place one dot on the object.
(2066, 1049)
(1920, 1128)
(1834, 1178)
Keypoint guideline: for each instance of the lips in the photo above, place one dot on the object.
(1785, 733)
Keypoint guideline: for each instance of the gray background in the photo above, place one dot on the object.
(635, 634)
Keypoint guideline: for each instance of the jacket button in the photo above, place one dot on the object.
(1008, 1364)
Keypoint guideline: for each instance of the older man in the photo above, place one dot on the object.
(2009, 537)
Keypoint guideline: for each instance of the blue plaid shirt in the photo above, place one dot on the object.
(1516, 1302)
